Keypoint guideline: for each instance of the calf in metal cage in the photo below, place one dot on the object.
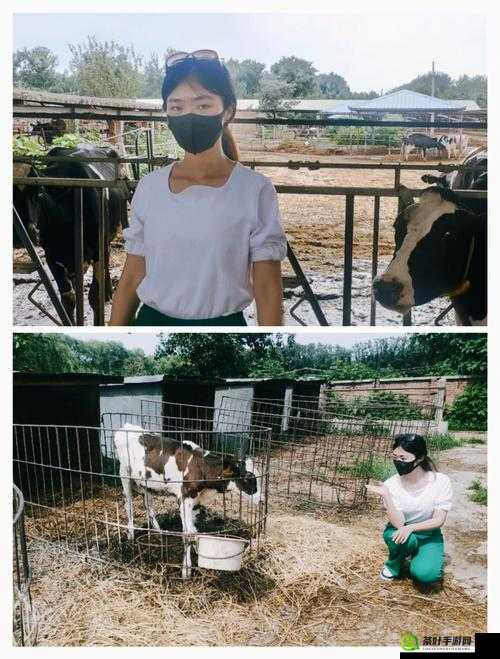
(150, 462)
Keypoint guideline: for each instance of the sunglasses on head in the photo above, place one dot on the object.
(197, 54)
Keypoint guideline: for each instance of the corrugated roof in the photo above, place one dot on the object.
(25, 378)
(331, 105)
(406, 100)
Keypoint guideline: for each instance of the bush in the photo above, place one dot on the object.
(479, 494)
(442, 442)
(470, 409)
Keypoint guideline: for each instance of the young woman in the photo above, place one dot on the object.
(205, 236)
(417, 500)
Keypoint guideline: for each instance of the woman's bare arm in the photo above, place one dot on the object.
(435, 522)
(125, 300)
(396, 517)
(268, 292)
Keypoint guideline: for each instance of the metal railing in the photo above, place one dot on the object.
(349, 193)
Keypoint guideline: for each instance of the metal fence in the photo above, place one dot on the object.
(25, 625)
(77, 479)
(350, 194)
(317, 458)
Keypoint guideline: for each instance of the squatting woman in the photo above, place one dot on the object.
(417, 500)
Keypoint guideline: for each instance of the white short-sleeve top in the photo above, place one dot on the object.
(199, 244)
(435, 495)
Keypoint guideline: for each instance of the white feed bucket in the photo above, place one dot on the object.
(220, 553)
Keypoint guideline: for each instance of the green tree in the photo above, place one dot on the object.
(43, 353)
(423, 84)
(35, 68)
(274, 91)
(152, 77)
(105, 69)
(332, 85)
(299, 74)
(246, 76)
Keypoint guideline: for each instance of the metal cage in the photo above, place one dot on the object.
(24, 618)
(315, 456)
(77, 479)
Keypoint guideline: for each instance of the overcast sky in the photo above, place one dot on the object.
(148, 341)
(372, 51)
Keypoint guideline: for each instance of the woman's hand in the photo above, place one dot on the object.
(401, 535)
(377, 488)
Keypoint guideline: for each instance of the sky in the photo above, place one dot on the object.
(149, 341)
(372, 51)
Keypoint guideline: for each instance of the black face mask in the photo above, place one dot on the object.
(196, 132)
(404, 468)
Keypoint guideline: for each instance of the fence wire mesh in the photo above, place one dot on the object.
(24, 618)
(101, 491)
(320, 454)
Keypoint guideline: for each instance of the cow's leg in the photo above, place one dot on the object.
(94, 293)
(148, 499)
(186, 506)
(64, 285)
(108, 285)
(127, 491)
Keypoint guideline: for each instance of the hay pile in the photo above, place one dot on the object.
(312, 583)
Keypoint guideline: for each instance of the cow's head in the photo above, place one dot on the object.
(247, 481)
(432, 243)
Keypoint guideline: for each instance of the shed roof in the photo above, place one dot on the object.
(406, 100)
(22, 378)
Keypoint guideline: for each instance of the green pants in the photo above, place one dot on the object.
(426, 550)
(150, 317)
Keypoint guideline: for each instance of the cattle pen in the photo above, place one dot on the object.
(350, 197)
(305, 576)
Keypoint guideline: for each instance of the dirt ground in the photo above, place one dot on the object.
(315, 228)
(313, 582)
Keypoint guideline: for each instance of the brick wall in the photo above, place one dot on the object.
(421, 390)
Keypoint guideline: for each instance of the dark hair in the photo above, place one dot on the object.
(417, 445)
(215, 77)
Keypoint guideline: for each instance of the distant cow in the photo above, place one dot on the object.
(441, 250)
(150, 462)
(422, 142)
(50, 211)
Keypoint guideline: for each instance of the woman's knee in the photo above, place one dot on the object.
(425, 574)
(387, 535)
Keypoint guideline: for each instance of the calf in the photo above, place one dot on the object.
(153, 463)
(440, 250)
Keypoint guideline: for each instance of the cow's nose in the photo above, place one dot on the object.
(387, 291)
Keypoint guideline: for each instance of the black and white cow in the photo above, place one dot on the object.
(440, 250)
(422, 142)
(473, 175)
(50, 211)
(150, 462)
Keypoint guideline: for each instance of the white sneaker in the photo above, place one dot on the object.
(386, 574)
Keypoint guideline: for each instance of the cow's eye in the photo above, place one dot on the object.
(447, 236)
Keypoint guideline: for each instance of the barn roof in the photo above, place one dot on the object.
(22, 378)
(406, 100)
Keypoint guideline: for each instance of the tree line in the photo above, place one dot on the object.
(254, 355)
(109, 69)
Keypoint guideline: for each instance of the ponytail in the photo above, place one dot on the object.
(229, 145)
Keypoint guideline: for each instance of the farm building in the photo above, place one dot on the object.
(58, 399)
(42, 404)
(126, 397)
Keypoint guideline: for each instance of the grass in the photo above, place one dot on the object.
(442, 442)
(479, 494)
(377, 469)
(475, 440)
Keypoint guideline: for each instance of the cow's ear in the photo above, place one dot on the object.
(405, 197)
